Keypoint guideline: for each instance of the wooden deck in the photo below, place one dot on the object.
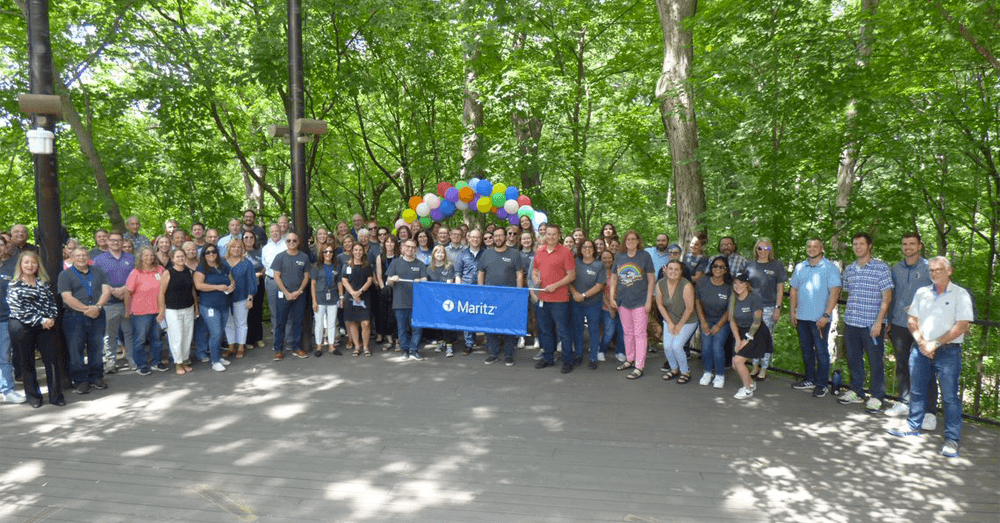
(344, 439)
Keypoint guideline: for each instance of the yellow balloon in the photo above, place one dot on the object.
(484, 204)
(409, 215)
(499, 188)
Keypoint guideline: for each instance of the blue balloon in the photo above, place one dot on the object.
(511, 193)
(484, 187)
(447, 208)
(473, 183)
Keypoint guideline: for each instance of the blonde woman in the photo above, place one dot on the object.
(767, 277)
(32, 320)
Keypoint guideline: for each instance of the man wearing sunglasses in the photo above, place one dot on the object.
(291, 276)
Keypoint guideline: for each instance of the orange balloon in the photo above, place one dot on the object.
(415, 201)
(466, 194)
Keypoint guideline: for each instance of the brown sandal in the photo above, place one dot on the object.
(180, 370)
(683, 378)
(671, 375)
(240, 352)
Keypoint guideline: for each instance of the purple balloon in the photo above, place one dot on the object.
(451, 195)
(513, 219)
(436, 214)
(502, 214)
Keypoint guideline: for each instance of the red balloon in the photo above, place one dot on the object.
(523, 200)
(442, 188)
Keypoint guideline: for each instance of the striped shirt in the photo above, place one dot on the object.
(864, 285)
(30, 305)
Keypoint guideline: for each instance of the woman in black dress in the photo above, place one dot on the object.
(358, 279)
(385, 320)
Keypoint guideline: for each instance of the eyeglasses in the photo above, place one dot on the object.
(675, 253)
(211, 252)
(763, 248)
(293, 240)
(720, 267)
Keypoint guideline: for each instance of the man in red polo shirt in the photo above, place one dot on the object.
(554, 270)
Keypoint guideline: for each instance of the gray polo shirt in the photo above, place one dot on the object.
(77, 284)
(500, 268)
(293, 268)
(907, 279)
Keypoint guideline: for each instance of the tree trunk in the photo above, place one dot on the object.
(527, 133)
(849, 156)
(86, 141)
(472, 119)
(673, 90)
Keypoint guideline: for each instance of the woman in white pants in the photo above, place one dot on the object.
(178, 306)
(245, 277)
(325, 285)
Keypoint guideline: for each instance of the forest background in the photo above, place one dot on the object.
(785, 119)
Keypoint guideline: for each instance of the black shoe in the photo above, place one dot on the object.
(318, 353)
(160, 367)
(35, 402)
(61, 402)
(467, 351)
(542, 364)
(491, 360)
(566, 369)
(819, 392)
(100, 385)
(665, 367)
(144, 372)
(83, 388)
(509, 362)
(336, 352)
(592, 366)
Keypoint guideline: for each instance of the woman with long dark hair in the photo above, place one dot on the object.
(675, 300)
(357, 280)
(425, 244)
(214, 284)
(178, 304)
(385, 319)
(255, 318)
(711, 303)
(32, 320)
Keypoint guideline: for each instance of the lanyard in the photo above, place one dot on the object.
(329, 270)
(88, 283)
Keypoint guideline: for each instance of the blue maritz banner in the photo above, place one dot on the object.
(476, 308)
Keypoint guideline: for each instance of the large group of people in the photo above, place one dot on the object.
(589, 299)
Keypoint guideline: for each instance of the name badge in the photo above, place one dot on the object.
(211, 313)
(157, 276)
(348, 271)
(329, 296)
(281, 295)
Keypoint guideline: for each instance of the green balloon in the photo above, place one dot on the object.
(426, 221)
(499, 199)
(461, 185)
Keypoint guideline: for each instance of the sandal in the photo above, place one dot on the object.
(357, 352)
(188, 368)
(625, 365)
(240, 352)
(684, 378)
(368, 352)
(761, 376)
(671, 375)
(180, 370)
(636, 374)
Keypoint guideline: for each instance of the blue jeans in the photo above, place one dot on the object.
(215, 325)
(552, 319)
(858, 341)
(409, 336)
(815, 354)
(593, 315)
(145, 328)
(947, 364)
(713, 351)
(288, 319)
(902, 342)
(612, 328)
(495, 341)
(84, 338)
(200, 331)
(6, 369)
(673, 346)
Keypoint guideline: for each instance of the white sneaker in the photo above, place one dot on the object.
(601, 357)
(14, 397)
(538, 356)
(520, 342)
(621, 357)
(898, 409)
(218, 367)
(559, 347)
(225, 362)
(719, 381)
(930, 422)
(705, 379)
(743, 393)
(535, 344)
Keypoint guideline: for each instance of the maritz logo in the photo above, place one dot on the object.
(448, 305)
(476, 308)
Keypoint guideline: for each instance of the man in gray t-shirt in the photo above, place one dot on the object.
(407, 267)
(84, 290)
(501, 267)
(291, 275)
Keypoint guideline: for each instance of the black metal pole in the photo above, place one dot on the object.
(46, 169)
(49, 231)
(300, 192)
